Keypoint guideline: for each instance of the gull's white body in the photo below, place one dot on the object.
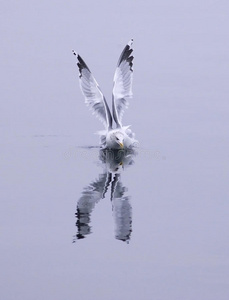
(120, 137)
(124, 134)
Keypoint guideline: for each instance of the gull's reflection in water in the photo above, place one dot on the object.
(113, 162)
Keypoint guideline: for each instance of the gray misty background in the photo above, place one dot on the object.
(178, 186)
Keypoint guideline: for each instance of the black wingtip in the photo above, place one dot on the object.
(126, 55)
(81, 64)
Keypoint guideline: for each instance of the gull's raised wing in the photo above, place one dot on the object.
(94, 97)
(122, 90)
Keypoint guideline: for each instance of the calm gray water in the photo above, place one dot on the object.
(71, 229)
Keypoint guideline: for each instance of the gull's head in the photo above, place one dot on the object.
(118, 138)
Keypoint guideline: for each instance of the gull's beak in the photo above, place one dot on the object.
(121, 145)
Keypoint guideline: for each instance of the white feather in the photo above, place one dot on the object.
(93, 95)
(122, 89)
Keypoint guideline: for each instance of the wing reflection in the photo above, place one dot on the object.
(113, 162)
(90, 196)
(122, 210)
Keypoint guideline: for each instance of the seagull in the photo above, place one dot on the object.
(120, 137)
